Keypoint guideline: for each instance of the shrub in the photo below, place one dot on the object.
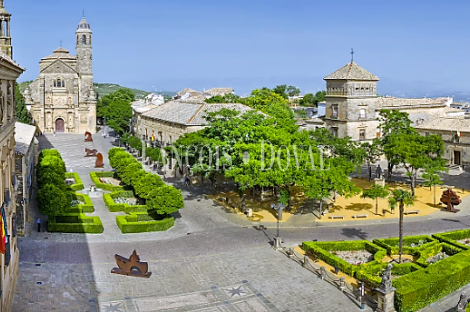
(391, 244)
(81, 208)
(146, 183)
(131, 223)
(322, 251)
(115, 207)
(78, 182)
(75, 223)
(165, 200)
(95, 177)
(423, 287)
(453, 236)
(129, 173)
(53, 200)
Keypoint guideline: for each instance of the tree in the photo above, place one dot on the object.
(103, 104)
(292, 91)
(393, 123)
(401, 198)
(52, 200)
(227, 98)
(320, 96)
(373, 151)
(375, 192)
(308, 100)
(431, 178)
(145, 184)
(165, 200)
(22, 113)
(280, 90)
(117, 114)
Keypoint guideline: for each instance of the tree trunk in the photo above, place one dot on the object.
(400, 224)
(434, 194)
(389, 173)
(243, 201)
(413, 183)
(377, 206)
(370, 172)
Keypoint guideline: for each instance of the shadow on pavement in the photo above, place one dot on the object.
(353, 232)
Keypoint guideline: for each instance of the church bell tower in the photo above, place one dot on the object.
(5, 38)
(85, 61)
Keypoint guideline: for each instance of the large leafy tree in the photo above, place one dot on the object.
(292, 91)
(401, 198)
(121, 95)
(227, 98)
(432, 178)
(22, 113)
(117, 114)
(372, 151)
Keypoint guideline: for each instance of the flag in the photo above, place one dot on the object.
(2, 231)
(458, 134)
(153, 137)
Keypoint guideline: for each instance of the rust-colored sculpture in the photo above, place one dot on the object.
(99, 161)
(88, 137)
(90, 152)
(131, 266)
(450, 198)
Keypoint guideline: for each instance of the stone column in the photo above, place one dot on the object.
(4, 96)
(386, 293)
(11, 99)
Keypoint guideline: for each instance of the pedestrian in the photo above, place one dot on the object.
(38, 222)
(54, 133)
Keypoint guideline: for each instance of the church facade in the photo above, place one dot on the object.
(62, 98)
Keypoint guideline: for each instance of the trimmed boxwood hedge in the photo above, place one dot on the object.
(81, 208)
(131, 223)
(75, 223)
(114, 207)
(453, 237)
(95, 177)
(391, 244)
(322, 251)
(423, 287)
(78, 186)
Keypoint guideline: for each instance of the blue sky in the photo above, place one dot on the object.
(172, 44)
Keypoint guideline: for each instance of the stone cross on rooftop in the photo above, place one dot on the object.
(352, 55)
(1, 3)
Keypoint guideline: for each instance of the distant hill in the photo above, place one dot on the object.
(103, 89)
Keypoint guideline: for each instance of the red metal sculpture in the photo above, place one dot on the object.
(450, 198)
(88, 137)
(90, 152)
(131, 266)
(99, 161)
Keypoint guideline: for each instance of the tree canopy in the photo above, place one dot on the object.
(22, 113)
(116, 109)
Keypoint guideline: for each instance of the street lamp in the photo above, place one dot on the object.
(277, 239)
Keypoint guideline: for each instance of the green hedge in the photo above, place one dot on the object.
(75, 223)
(423, 287)
(95, 177)
(131, 224)
(391, 244)
(453, 236)
(322, 251)
(86, 207)
(114, 207)
(78, 186)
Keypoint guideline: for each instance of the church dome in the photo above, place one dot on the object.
(83, 24)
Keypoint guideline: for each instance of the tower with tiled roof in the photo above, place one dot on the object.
(351, 93)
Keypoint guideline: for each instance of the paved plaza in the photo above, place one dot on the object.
(210, 260)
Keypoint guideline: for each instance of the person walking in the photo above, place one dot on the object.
(38, 222)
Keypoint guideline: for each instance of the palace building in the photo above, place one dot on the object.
(62, 98)
(9, 253)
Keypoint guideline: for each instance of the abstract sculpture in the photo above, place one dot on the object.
(88, 137)
(450, 198)
(131, 266)
(99, 161)
(90, 152)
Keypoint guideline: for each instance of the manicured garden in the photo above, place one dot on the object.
(431, 268)
(57, 198)
(147, 201)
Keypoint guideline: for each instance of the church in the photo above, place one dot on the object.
(62, 98)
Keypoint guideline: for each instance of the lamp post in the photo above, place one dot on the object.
(278, 239)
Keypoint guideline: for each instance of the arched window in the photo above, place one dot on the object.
(59, 83)
(83, 39)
